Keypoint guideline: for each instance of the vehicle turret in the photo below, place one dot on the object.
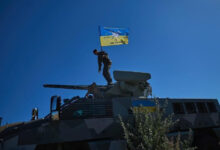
(128, 84)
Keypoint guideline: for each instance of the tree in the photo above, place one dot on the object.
(148, 131)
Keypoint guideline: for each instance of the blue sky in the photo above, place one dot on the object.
(52, 42)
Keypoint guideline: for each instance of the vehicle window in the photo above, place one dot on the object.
(178, 108)
(211, 106)
(190, 108)
(201, 107)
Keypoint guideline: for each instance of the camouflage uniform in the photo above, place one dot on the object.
(103, 58)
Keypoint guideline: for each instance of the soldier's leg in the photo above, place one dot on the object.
(106, 74)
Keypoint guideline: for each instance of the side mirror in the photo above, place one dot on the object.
(55, 104)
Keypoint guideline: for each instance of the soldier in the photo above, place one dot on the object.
(103, 58)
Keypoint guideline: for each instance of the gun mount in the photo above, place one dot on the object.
(128, 84)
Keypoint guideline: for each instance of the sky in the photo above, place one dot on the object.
(52, 42)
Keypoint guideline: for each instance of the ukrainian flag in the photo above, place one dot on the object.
(113, 36)
(148, 105)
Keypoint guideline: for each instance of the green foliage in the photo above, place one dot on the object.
(148, 131)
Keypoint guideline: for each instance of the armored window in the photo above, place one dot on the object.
(201, 107)
(178, 108)
(190, 108)
(211, 106)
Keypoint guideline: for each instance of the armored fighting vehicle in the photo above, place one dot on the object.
(91, 122)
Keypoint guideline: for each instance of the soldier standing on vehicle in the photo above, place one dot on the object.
(103, 58)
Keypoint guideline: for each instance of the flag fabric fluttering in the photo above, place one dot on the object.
(113, 36)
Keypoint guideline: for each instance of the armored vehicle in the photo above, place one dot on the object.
(91, 122)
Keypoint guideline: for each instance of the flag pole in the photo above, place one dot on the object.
(99, 37)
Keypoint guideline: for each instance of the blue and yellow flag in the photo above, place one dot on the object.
(113, 36)
(146, 104)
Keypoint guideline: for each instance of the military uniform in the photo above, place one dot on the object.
(103, 58)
